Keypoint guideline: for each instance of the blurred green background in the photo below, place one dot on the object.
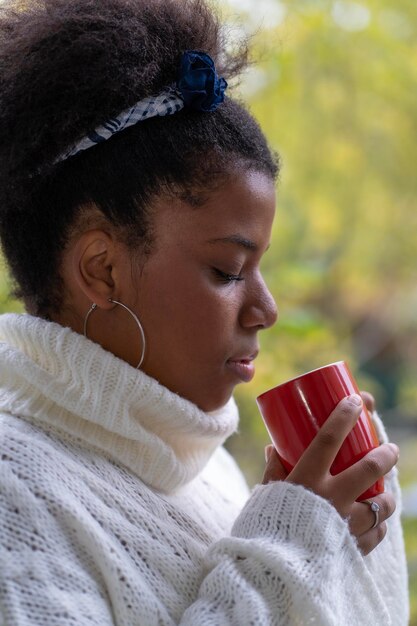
(334, 87)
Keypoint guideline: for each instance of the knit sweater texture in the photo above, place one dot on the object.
(119, 505)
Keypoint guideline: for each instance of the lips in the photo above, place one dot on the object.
(242, 366)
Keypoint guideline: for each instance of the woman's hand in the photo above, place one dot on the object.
(313, 472)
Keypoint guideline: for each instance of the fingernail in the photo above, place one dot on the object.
(268, 452)
(355, 399)
(395, 448)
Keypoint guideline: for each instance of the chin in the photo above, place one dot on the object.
(214, 402)
(207, 395)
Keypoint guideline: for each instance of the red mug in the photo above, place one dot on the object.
(294, 411)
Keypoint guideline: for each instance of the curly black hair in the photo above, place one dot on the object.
(67, 67)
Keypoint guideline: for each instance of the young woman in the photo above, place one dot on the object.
(137, 199)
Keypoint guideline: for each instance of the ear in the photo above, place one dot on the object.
(93, 262)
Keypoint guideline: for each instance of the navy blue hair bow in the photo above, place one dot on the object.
(199, 83)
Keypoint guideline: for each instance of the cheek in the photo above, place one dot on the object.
(188, 308)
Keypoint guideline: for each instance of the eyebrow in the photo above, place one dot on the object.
(238, 240)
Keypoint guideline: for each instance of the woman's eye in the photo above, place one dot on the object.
(227, 278)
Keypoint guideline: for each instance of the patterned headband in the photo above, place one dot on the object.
(198, 87)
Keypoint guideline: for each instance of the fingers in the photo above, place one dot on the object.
(362, 518)
(274, 469)
(368, 400)
(359, 477)
(372, 538)
(319, 456)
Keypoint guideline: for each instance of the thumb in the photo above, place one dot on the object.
(274, 468)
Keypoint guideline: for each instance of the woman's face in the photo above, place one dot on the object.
(200, 295)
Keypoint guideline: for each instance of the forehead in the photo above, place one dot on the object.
(245, 205)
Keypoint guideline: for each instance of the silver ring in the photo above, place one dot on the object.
(375, 508)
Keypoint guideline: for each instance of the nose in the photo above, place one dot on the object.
(259, 310)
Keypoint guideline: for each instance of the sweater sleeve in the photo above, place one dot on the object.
(290, 561)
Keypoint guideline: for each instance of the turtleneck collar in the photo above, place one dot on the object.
(54, 376)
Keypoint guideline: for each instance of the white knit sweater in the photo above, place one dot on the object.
(119, 506)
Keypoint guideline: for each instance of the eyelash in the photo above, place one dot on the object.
(227, 278)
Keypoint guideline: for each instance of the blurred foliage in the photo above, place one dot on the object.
(334, 87)
(410, 534)
(7, 302)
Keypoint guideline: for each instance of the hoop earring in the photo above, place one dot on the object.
(135, 317)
